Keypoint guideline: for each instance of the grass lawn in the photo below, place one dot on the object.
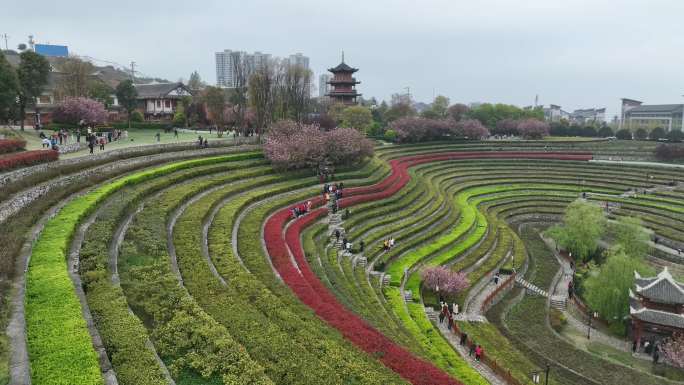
(136, 137)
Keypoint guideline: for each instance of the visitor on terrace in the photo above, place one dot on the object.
(441, 317)
(91, 142)
(391, 242)
(385, 245)
(478, 352)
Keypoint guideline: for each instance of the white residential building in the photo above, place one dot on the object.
(225, 65)
(323, 86)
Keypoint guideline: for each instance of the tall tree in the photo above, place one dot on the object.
(458, 111)
(261, 95)
(33, 74)
(438, 108)
(242, 70)
(631, 235)
(295, 85)
(607, 291)
(9, 88)
(185, 103)
(358, 117)
(101, 92)
(75, 78)
(195, 82)
(583, 225)
(215, 99)
(128, 97)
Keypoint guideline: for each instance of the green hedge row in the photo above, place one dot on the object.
(58, 340)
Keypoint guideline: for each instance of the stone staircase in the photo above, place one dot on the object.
(359, 261)
(532, 289)
(385, 279)
(408, 296)
(432, 314)
(559, 302)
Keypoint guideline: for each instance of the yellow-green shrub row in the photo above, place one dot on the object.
(59, 344)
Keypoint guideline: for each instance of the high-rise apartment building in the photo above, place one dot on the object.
(323, 86)
(226, 63)
(298, 59)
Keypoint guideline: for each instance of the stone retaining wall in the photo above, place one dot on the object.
(24, 198)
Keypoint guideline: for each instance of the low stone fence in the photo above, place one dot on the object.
(22, 199)
(123, 153)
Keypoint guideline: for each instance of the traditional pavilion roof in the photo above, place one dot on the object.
(343, 67)
(653, 316)
(160, 90)
(661, 288)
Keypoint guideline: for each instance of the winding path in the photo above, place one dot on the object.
(283, 243)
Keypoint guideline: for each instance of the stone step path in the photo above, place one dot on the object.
(453, 339)
(559, 302)
(532, 289)
(474, 308)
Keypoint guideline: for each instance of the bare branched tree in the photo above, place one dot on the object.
(242, 70)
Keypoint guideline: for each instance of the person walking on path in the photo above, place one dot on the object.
(102, 143)
(464, 339)
(478, 353)
(471, 350)
(175, 133)
(441, 317)
(91, 143)
(158, 136)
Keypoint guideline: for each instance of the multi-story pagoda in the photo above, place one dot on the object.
(656, 307)
(343, 84)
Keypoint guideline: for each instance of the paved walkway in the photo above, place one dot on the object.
(453, 339)
(636, 163)
(474, 309)
(561, 290)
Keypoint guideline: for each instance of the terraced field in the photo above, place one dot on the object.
(191, 270)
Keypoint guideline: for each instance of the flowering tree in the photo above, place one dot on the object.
(471, 129)
(533, 129)
(74, 110)
(506, 127)
(290, 145)
(412, 129)
(444, 280)
(673, 350)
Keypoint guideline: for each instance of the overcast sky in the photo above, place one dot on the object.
(576, 53)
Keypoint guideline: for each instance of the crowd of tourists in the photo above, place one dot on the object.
(448, 313)
(388, 244)
(201, 142)
(300, 210)
(92, 139)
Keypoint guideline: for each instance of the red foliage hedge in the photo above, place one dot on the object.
(27, 158)
(283, 242)
(11, 145)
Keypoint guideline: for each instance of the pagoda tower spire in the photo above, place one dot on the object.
(343, 84)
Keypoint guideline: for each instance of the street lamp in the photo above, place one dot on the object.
(548, 368)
